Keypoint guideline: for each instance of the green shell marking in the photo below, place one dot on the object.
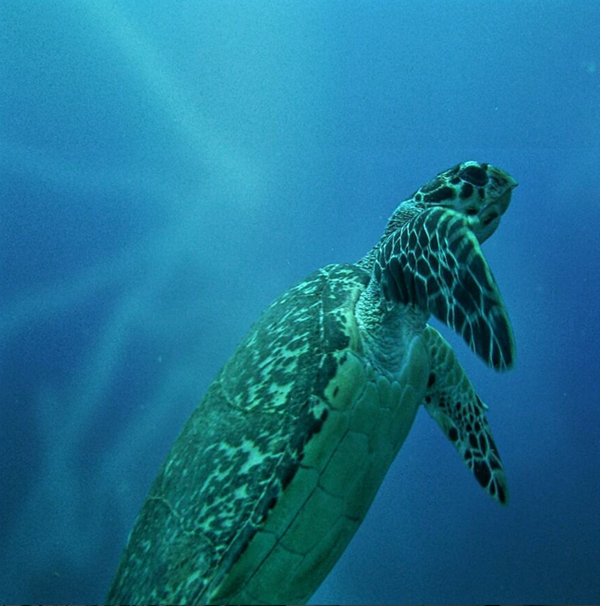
(277, 466)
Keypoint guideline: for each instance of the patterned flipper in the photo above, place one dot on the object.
(435, 261)
(453, 404)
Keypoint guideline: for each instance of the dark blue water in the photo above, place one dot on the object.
(168, 168)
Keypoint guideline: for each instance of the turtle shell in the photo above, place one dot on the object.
(277, 466)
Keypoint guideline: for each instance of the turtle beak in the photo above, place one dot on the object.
(489, 219)
(502, 178)
(504, 184)
(503, 202)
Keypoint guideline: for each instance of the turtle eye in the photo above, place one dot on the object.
(475, 175)
(471, 211)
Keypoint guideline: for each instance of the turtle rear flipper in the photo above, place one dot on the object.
(454, 405)
(435, 262)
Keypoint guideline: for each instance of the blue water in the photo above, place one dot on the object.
(168, 168)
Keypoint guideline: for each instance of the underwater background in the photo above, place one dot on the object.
(168, 168)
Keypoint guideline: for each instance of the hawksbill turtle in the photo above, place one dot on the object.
(277, 466)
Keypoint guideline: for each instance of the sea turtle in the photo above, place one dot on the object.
(279, 463)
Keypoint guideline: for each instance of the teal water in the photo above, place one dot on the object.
(168, 168)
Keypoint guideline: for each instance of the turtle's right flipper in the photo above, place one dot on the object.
(435, 261)
(453, 404)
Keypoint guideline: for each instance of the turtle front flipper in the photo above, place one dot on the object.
(453, 404)
(434, 261)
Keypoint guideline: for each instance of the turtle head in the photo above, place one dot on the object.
(481, 192)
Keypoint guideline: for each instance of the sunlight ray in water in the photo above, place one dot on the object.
(81, 177)
(168, 241)
(165, 167)
(212, 149)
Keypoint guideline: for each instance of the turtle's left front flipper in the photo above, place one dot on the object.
(434, 261)
(453, 404)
